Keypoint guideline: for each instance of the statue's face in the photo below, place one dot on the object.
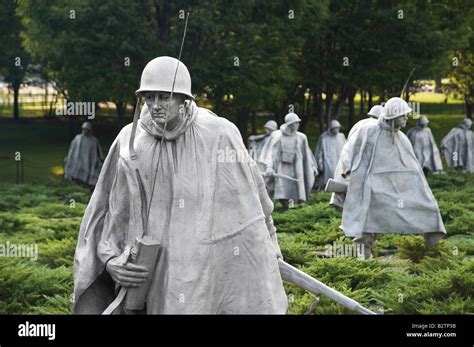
(423, 125)
(334, 131)
(294, 126)
(268, 130)
(401, 121)
(86, 132)
(158, 103)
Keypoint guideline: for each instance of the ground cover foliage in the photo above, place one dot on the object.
(404, 277)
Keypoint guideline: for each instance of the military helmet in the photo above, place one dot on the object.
(87, 125)
(395, 107)
(158, 75)
(291, 118)
(423, 120)
(467, 123)
(375, 111)
(271, 125)
(334, 124)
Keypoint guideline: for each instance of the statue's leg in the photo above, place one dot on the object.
(284, 204)
(366, 242)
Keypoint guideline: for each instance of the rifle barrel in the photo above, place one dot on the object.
(293, 275)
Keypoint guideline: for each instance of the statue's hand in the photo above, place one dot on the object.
(126, 275)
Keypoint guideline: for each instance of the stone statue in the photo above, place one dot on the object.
(181, 176)
(387, 191)
(84, 158)
(290, 161)
(458, 148)
(257, 142)
(424, 146)
(373, 114)
(327, 152)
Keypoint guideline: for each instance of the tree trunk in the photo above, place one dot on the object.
(305, 115)
(121, 109)
(469, 107)
(371, 100)
(350, 98)
(52, 104)
(16, 94)
(362, 97)
(328, 104)
(254, 122)
(242, 121)
(340, 102)
(438, 88)
(71, 128)
(318, 110)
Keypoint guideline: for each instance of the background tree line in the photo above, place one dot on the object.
(244, 56)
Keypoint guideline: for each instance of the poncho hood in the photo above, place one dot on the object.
(154, 129)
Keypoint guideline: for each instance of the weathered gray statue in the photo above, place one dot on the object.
(257, 142)
(424, 146)
(458, 147)
(328, 151)
(290, 161)
(84, 157)
(181, 177)
(386, 190)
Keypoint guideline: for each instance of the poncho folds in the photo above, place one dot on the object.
(289, 154)
(256, 143)
(424, 146)
(458, 148)
(210, 211)
(83, 160)
(387, 190)
(327, 155)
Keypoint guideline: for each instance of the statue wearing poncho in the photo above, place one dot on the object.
(84, 157)
(387, 191)
(458, 147)
(327, 152)
(424, 146)
(288, 153)
(211, 214)
(257, 142)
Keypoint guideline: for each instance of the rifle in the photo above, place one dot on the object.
(299, 278)
(279, 175)
(406, 83)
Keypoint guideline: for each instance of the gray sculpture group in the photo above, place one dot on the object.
(203, 229)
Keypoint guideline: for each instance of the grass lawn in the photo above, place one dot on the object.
(43, 145)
